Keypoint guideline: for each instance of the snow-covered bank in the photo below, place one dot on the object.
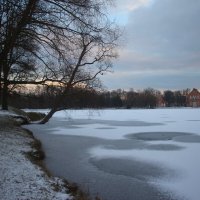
(20, 178)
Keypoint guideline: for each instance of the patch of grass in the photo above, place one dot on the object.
(78, 194)
(74, 189)
(7, 123)
(17, 111)
(36, 155)
(35, 116)
(21, 116)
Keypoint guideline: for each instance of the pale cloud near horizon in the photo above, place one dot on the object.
(122, 8)
(130, 5)
(161, 47)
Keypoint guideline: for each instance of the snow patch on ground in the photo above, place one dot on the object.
(20, 179)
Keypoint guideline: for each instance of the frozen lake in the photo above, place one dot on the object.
(126, 154)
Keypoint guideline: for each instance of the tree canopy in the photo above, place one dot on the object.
(60, 42)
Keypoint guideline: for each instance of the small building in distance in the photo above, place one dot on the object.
(193, 98)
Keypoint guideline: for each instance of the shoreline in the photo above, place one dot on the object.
(23, 173)
(37, 157)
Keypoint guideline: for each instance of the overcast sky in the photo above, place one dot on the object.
(160, 45)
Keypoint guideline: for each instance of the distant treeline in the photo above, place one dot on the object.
(90, 98)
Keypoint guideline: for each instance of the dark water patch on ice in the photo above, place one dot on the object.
(155, 136)
(74, 127)
(165, 117)
(139, 170)
(78, 122)
(106, 128)
(127, 123)
(193, 120)
(164, 136)
(165, 147)
(188, 139)
(141, 145)
(125, 144)
(57, 129)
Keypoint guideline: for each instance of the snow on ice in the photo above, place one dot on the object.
(183, 126)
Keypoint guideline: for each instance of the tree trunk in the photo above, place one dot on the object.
(5, 96)
(5, 87)
(48, 116)
(57, 106)
(0, 87)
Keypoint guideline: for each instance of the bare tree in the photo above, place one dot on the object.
(90, 55)
(14, 17)
(75, 38)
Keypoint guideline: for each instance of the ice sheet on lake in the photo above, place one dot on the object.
(166, 137)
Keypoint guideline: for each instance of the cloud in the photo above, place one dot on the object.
(162, 80)
(122, 9)
(130, 5)
(162, 44)
(169, 26)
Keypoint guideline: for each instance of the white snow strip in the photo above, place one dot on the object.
(20, 179)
